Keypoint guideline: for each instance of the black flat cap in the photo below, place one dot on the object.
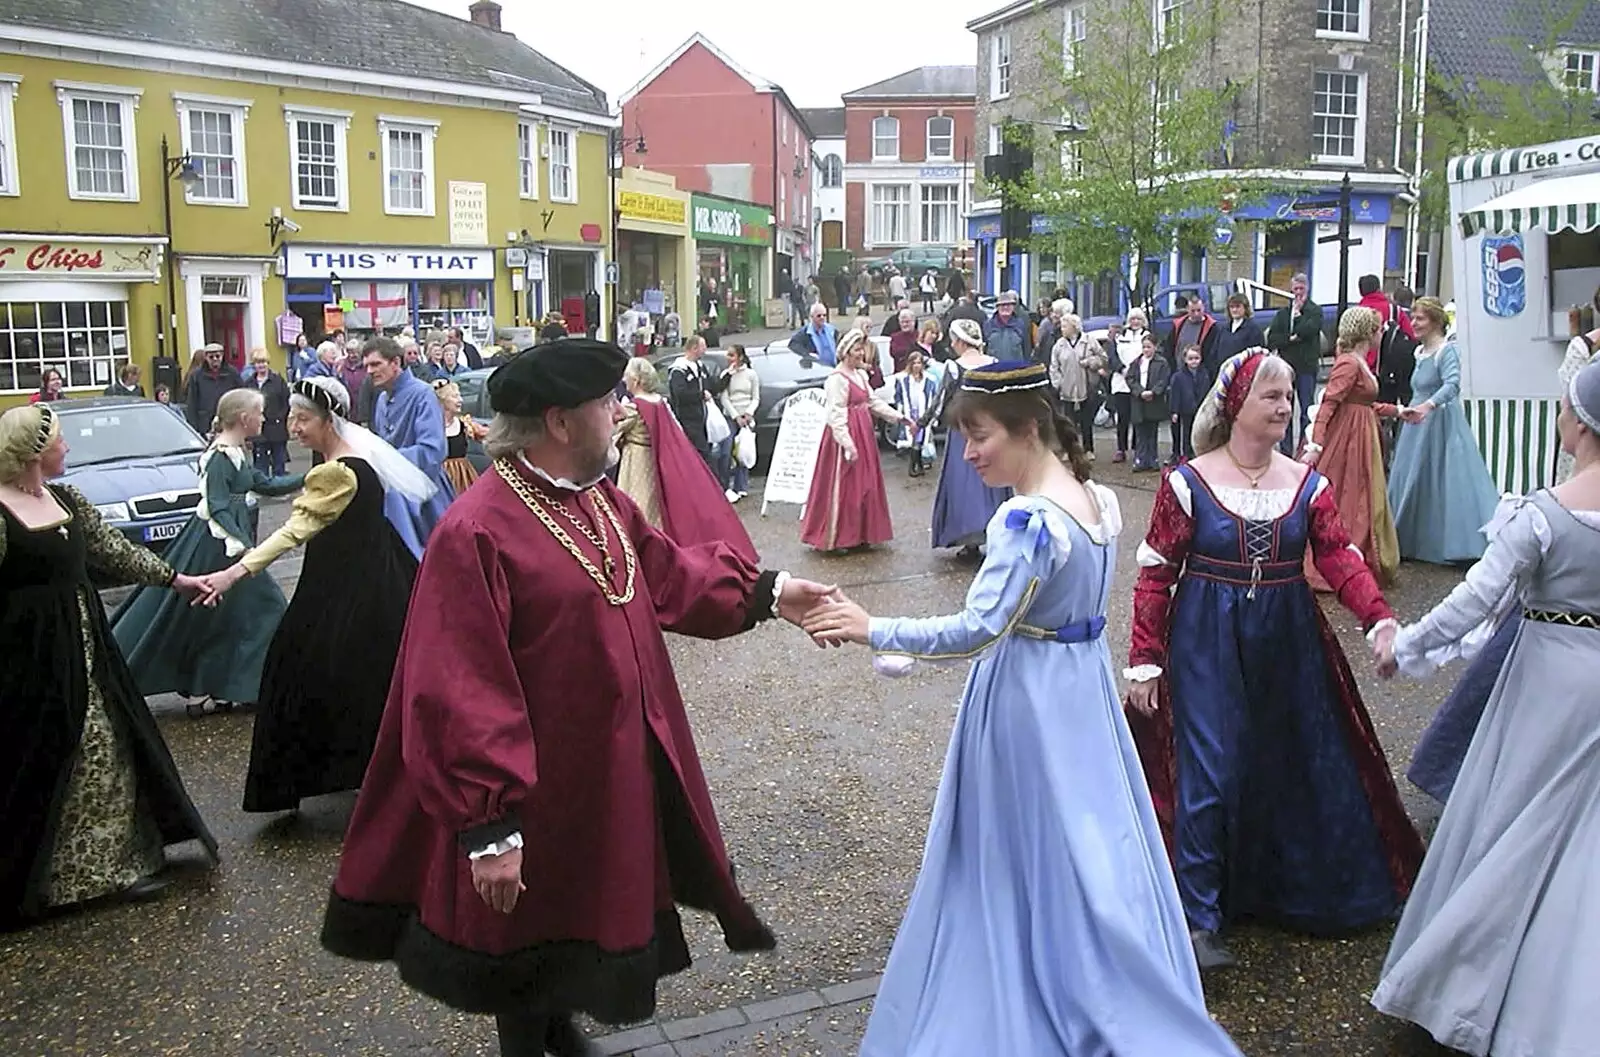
(561, 373)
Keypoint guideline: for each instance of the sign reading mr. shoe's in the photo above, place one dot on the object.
(720, 220)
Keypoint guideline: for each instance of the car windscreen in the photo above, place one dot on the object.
(129, 431)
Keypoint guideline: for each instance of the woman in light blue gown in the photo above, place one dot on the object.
(1045, 921)
(1440, 492)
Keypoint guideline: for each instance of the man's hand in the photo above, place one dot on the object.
(1142, 696)
(1383, 651)
(800, 597)
(498, 880)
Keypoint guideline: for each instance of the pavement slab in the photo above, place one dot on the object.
(823, 776)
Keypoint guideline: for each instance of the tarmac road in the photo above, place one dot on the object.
(823, 776)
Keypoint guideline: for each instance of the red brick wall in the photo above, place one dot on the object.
(858, 118)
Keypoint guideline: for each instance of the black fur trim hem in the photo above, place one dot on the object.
(489, 833)
(613, 987)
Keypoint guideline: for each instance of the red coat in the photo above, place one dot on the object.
(503, 717)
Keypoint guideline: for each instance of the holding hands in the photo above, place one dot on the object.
(823, 612)
(1415, 415)
(208, 590)
(1383, 651)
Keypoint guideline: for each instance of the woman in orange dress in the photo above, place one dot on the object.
(459, 431)
(1343, 445)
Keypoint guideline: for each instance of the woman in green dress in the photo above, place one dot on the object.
(199, 652)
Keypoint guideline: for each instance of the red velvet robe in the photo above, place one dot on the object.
(524, 701)
(693, 508)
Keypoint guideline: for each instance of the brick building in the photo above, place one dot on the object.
(910, 160)
(716, 128)
(1324, 81)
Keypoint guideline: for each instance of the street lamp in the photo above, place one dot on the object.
(616, 159)
(181, 168)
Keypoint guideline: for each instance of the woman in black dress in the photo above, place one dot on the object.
(89, 795)
(327, 670)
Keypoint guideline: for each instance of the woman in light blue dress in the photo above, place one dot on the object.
(963, 503)
(1440, 491)
(1045, 921)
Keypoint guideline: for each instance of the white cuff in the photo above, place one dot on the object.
(1386, 622)
(499, 847)
(1142, 673)
(1313, 448)
(778, 583)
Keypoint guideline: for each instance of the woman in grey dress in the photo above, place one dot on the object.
(1499, 948)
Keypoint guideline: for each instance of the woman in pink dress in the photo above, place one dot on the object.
(847, 506)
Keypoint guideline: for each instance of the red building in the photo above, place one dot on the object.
(719, 129)
(910, 160)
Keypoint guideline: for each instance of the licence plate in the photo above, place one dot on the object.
(163, 532)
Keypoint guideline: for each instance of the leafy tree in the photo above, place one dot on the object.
(1470, 114)
(1121, 169)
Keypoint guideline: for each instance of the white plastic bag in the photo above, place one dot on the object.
(744, 447)
(929, 452)
(717, 429)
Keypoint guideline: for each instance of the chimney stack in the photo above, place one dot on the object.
(486, 13)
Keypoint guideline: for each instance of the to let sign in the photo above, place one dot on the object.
(469, 213)
(49, 258)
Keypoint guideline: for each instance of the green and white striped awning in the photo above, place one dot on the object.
(1563, 203)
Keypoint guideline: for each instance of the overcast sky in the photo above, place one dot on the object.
(613, 43)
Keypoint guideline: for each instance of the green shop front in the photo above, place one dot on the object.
(734, 241)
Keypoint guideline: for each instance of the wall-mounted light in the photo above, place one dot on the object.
(182, 168)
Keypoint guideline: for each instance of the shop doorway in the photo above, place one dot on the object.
(571, 278)
(1288, 253)
(832, 234)
(223, 322)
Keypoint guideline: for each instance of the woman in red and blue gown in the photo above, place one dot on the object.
(1262, 761)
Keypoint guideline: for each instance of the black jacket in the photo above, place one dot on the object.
(1397, 358)
(275, 399)
(1229, 342)
(118, 389)
(962, 310)
(205, 389)
(687, 384)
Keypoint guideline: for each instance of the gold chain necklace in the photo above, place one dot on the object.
(1255, 482)
(535, 499)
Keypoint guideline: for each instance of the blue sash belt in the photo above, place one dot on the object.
(1082, 631)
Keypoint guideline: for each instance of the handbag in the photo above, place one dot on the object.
(717, 429)
(744, 447)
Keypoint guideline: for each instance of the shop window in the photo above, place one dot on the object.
(102, 160)
(442, 305)
(563, 165)
(321, 179)
(1346, 19)
(212, 132)
(1394, 249)
(891, 214)
(407, 165)
(1339, 117)
(528, 158)
(885, 139)
(8, 135)
(941, 213)
(941, 138)
(85, 341)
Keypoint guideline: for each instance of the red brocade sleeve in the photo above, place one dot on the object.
(705, 590)
(1171, 531)
(467, 741)
(1342, 565)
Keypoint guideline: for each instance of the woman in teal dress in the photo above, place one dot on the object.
(1440, 491)
(173, 647)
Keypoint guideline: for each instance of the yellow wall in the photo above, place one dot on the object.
(476, 143)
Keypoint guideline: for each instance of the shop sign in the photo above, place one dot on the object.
(938, 172)
(639, 205)
(1315, 206)
(983, 227)
(718, 221)
(55, 258)
(469, 213)
(357, 262)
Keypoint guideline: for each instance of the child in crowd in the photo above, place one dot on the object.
(1190, 384)
(163, 394)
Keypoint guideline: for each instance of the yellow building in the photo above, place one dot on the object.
(163, 184)
(655, 248)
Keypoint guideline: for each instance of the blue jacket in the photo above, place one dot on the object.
(1187, 388)
(1007, 340)
(1230, 342)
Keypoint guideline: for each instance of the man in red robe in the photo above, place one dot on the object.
(535, 808)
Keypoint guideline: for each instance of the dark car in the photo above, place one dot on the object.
(137, 461)
(912, 261)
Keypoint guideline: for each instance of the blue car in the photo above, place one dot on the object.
(137, 461)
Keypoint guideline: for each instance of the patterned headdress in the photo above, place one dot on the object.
(967, 332)
(49, 426)
(327, 393)
(1005, 376)
(1234, 380)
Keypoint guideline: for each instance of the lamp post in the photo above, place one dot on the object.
(182, 169)
(616, 160)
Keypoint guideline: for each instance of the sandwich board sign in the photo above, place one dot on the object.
(794, 455)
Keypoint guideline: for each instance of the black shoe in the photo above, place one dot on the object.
(1210, 952)
(563, 1039)
(145, 888)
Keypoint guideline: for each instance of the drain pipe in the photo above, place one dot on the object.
(1400, 89)
(1419, 94)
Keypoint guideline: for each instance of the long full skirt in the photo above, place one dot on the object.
(1352, 461)
(1440, 491)
(1443, 746)
(326, 679)
(963, 504)
(174, 647)
(847, 506)
(1045, 920)
(1498, 951)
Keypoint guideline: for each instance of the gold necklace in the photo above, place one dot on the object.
(535, 499)
(1261, 471)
